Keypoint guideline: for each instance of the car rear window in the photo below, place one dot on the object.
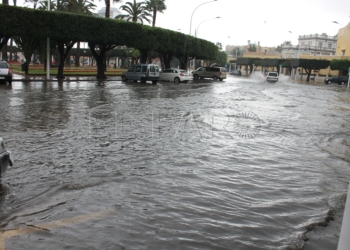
(3, 65)
(215, 69)
(272, 74)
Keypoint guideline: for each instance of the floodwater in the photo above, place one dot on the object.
(240, 164)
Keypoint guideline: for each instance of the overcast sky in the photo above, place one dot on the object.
(267, 22)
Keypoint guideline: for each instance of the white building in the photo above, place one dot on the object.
(113, 12)
(317, 44)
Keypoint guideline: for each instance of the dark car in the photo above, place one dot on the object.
(337, 79)
(235, 72)
(5, 72)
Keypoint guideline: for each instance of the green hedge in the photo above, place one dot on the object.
(310, 63)
(19, 21)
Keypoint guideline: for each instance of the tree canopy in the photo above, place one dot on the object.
(136, 12)
(342, 65)
(97, 31)
(310, 64)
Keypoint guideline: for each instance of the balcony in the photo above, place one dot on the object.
(318, 36)
(312, 49)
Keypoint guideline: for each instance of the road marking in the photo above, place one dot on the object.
(49, 225)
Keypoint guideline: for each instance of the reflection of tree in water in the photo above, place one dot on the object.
(5, 98)
(45, 108)
(4, 192)
(99, 96)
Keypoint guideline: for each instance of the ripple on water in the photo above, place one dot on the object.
(168, 165)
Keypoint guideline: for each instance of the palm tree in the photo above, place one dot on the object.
(43, 5)
(155, 6)
(79, 7)
(136, 12)
(108, 6)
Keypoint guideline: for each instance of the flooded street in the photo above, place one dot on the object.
(238, 164)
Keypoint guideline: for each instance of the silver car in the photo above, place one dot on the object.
(5, 158)
(5, 72)
(175, 75)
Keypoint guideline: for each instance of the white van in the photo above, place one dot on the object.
(142, 72)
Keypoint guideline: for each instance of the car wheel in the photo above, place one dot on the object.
(143, 80)
(176, 80)
(196, 77)
(10, 82)
(124, 78)
(220, 79)
(215, 78)
(154, 82)
(329, 82)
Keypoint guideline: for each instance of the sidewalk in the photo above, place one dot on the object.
(40, 78)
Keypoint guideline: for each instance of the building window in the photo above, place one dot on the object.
(320, 44)
(329, 46)
(309, 42)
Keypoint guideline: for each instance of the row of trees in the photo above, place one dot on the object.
(135, 11)
(308, 65)
(31, 27)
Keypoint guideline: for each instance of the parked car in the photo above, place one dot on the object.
(210, 72)
(272, 77)
(236, 73)
(337, 79)
(5, 72)
(175, 75)
(142, 72)
(5, 158)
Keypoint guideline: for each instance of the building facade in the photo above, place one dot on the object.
(343, 44)
(316, 44)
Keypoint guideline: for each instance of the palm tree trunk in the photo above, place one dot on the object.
(108, 8)
(154, 17)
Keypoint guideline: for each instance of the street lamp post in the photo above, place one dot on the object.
(298, 55)
(298, 46)
(338, 23)
(195, 10)
(192, 17)
(236, 56)
(196, 30)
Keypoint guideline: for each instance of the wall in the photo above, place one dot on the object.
(343, 43)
